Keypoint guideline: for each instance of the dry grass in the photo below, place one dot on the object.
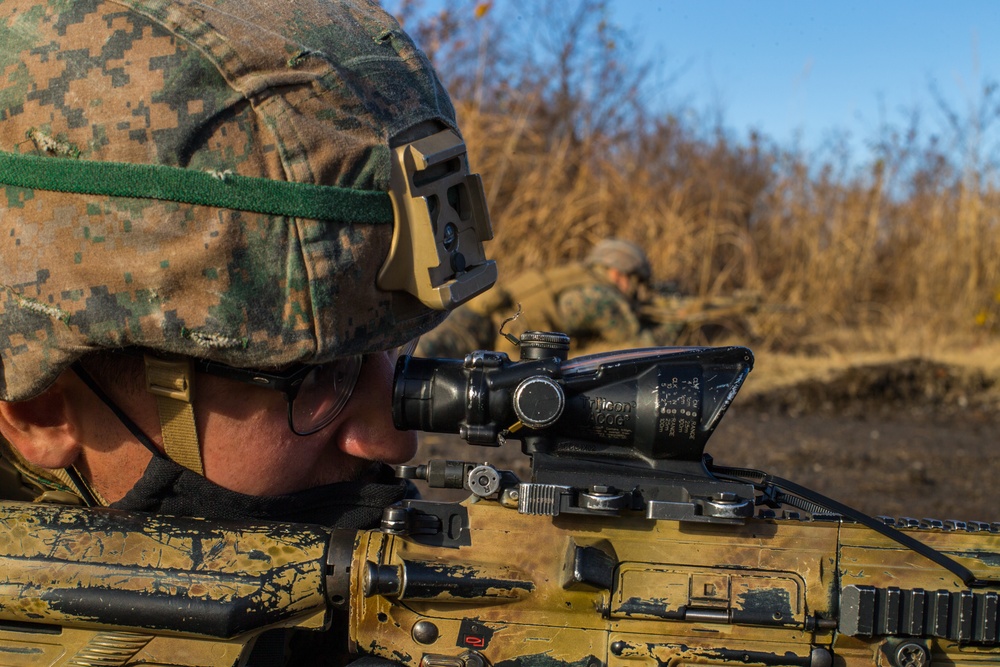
(844, 265)
(896, 257)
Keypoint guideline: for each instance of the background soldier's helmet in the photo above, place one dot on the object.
(623, 255)
(212, 179)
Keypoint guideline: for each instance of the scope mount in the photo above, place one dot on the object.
(619, 433)
(693, 495)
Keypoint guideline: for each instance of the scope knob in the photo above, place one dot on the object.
(484, 480)
(539, 401)
(535, 345)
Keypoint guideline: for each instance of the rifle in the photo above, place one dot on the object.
(627, 546)
(673, 316)
(95, 586)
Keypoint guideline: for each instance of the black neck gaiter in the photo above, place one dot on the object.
(167, 487)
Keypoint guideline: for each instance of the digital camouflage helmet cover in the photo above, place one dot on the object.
(625, 256)
(224, 180)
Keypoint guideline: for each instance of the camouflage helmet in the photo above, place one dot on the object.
(231, 180)
(623, 255)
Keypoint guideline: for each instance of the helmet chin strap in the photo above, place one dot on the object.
(172, 383)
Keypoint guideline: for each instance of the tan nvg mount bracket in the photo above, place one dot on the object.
(441, 224)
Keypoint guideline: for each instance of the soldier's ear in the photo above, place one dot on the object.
(43, 428)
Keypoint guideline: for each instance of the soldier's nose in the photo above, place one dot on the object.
(367, 431)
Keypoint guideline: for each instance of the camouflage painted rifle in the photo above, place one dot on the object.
(679, 317)
(666, 306)
(626, 547)
(103, 587)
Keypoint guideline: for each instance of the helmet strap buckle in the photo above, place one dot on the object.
(171, 381)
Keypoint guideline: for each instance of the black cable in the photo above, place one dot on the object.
(759, 478)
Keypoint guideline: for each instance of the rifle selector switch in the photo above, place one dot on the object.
(539, 401)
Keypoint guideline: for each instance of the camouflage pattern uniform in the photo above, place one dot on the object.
(576, 299)
(579, 299)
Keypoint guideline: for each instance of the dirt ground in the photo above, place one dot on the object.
(913, 436)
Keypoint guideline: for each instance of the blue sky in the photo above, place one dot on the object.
(801, 70)
(805, 68)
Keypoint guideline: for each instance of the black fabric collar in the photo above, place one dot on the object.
(169, 488)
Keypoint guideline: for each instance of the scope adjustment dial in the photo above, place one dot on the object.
(539, 401)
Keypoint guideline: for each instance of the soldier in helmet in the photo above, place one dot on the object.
(595, 301)
(213, 248)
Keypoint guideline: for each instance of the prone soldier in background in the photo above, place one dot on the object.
(201, 295)
(596, 302)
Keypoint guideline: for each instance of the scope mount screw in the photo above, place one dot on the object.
(602, 498)
(510, 497)
(395, 521)
(450, 236)
(910, 654)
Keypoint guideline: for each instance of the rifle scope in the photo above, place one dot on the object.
(652, 404)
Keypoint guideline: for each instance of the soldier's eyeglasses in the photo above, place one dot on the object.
(316, 394)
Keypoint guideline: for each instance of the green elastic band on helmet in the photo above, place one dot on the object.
(225, 190)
